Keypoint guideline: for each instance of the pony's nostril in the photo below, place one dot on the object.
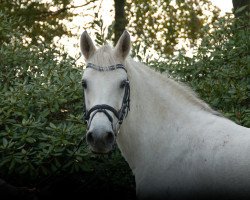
(109, 137)
(90, 138)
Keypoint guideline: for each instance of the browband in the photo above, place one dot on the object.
(108, 68)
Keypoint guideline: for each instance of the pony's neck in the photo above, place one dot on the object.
(159, 107)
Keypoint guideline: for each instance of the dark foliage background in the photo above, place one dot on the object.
(41, 119)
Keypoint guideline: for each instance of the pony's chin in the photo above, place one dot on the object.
(101, 151)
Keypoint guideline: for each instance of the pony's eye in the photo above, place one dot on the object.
(84, 84)
(123, 84)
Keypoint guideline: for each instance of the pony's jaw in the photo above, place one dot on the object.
(100, 136)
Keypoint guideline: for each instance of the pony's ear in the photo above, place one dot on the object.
(87, 46)
(122, 47)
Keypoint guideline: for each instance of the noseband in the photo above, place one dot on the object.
(104, 108)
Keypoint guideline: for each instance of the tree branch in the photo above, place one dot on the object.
(55, 13)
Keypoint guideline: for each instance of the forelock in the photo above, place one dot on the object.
(104, 56)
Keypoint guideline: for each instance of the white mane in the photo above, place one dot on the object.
(182, 90)
(104, 55)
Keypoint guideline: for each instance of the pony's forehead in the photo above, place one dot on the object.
(104, 57)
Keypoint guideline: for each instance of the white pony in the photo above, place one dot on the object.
(175, 144)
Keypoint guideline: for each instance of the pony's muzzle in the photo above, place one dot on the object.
(100, 141)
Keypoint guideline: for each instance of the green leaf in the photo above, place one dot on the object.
(5, 142)
(30, 140)
(241, 9)
(23, 151)
(52, 125)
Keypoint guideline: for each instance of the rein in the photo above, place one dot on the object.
(104, 108)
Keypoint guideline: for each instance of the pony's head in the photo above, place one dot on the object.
(106, 91)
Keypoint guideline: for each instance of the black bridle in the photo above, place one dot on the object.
(104, 108)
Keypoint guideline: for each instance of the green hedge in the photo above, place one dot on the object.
(41, 119)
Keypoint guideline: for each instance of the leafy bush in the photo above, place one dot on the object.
(219, 71)
(40, 109)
